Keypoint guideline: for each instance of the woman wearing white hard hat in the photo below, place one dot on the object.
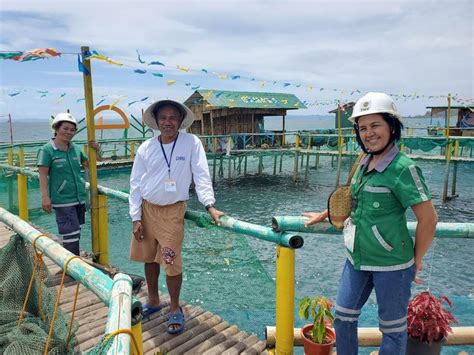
(62, 186)
(381, 255)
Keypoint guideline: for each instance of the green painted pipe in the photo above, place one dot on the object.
(90, 277)
(288, 240)
(119, 316)
(296, 223)
(260, 232)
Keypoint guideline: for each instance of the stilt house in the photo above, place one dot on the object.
(220, 112)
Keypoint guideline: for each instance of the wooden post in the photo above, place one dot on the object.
(253, 128)
(11, 128)
(212, 124)
(295, 167)
(283, 143)
(245, 165)
(307, 167)
(260, 164)
(275, 164)
(87, 76)
(455, 169)
(214, 167)
(10, 179)
(281, 161)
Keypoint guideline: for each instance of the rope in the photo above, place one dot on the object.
(56, 305)
(126, 331)
(72, 315)
(38, 261)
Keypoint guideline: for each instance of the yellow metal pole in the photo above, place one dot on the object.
(309, 141)
(132, 150)
(456, 148)
(87, 76)
(137, 334)
(297, 144)
(103, 231)
(22, 188)
(285, 300)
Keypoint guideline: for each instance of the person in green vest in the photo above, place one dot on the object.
(381, 255)
(62, 186)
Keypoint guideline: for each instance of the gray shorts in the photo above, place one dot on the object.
(69, 220)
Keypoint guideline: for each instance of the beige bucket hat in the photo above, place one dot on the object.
(149, 115)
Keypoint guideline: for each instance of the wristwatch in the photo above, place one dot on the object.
(209, 206)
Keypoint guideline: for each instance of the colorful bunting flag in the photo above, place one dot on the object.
(186, 69)
(35, 54)
(139, 59)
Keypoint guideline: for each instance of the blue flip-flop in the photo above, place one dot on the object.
(176, 318)
(149, 310)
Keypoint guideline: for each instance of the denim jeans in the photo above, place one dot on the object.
(392, 290)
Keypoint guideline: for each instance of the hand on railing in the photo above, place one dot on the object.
(46, 204)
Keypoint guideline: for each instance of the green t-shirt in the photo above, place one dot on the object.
(65, 183)
(382, 241)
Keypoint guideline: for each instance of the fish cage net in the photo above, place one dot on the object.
(17, 261)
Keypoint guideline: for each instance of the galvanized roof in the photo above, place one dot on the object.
(247, 99)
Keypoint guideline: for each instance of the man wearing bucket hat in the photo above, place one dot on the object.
(162, 173)
(381, 254)
(62, 186)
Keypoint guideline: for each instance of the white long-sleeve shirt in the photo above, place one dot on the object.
(149, 172)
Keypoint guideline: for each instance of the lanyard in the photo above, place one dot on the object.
(168, 163)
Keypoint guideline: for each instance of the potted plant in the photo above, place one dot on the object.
(318, 337)
(428, 323)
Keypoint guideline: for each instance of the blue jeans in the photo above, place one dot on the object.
(392, 289)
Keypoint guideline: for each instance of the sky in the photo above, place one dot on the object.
(325, 50)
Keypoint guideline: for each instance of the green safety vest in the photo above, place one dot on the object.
(382, 242)
(66, 185)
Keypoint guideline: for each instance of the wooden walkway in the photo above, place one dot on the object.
(206, 333)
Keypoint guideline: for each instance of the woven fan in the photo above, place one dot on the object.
(339, 202)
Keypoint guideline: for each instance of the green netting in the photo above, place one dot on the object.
(101, 348)
(424, 145)
(16, 266)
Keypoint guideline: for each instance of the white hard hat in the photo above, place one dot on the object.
(374, 102)
(149, 115)
(63, 117)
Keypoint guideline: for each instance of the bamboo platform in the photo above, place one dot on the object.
(205, 333)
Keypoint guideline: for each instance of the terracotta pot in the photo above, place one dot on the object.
(312, 348)
(417, 347)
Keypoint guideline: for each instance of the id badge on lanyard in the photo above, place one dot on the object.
(170, 184)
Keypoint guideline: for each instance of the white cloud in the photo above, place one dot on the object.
(394, 46)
